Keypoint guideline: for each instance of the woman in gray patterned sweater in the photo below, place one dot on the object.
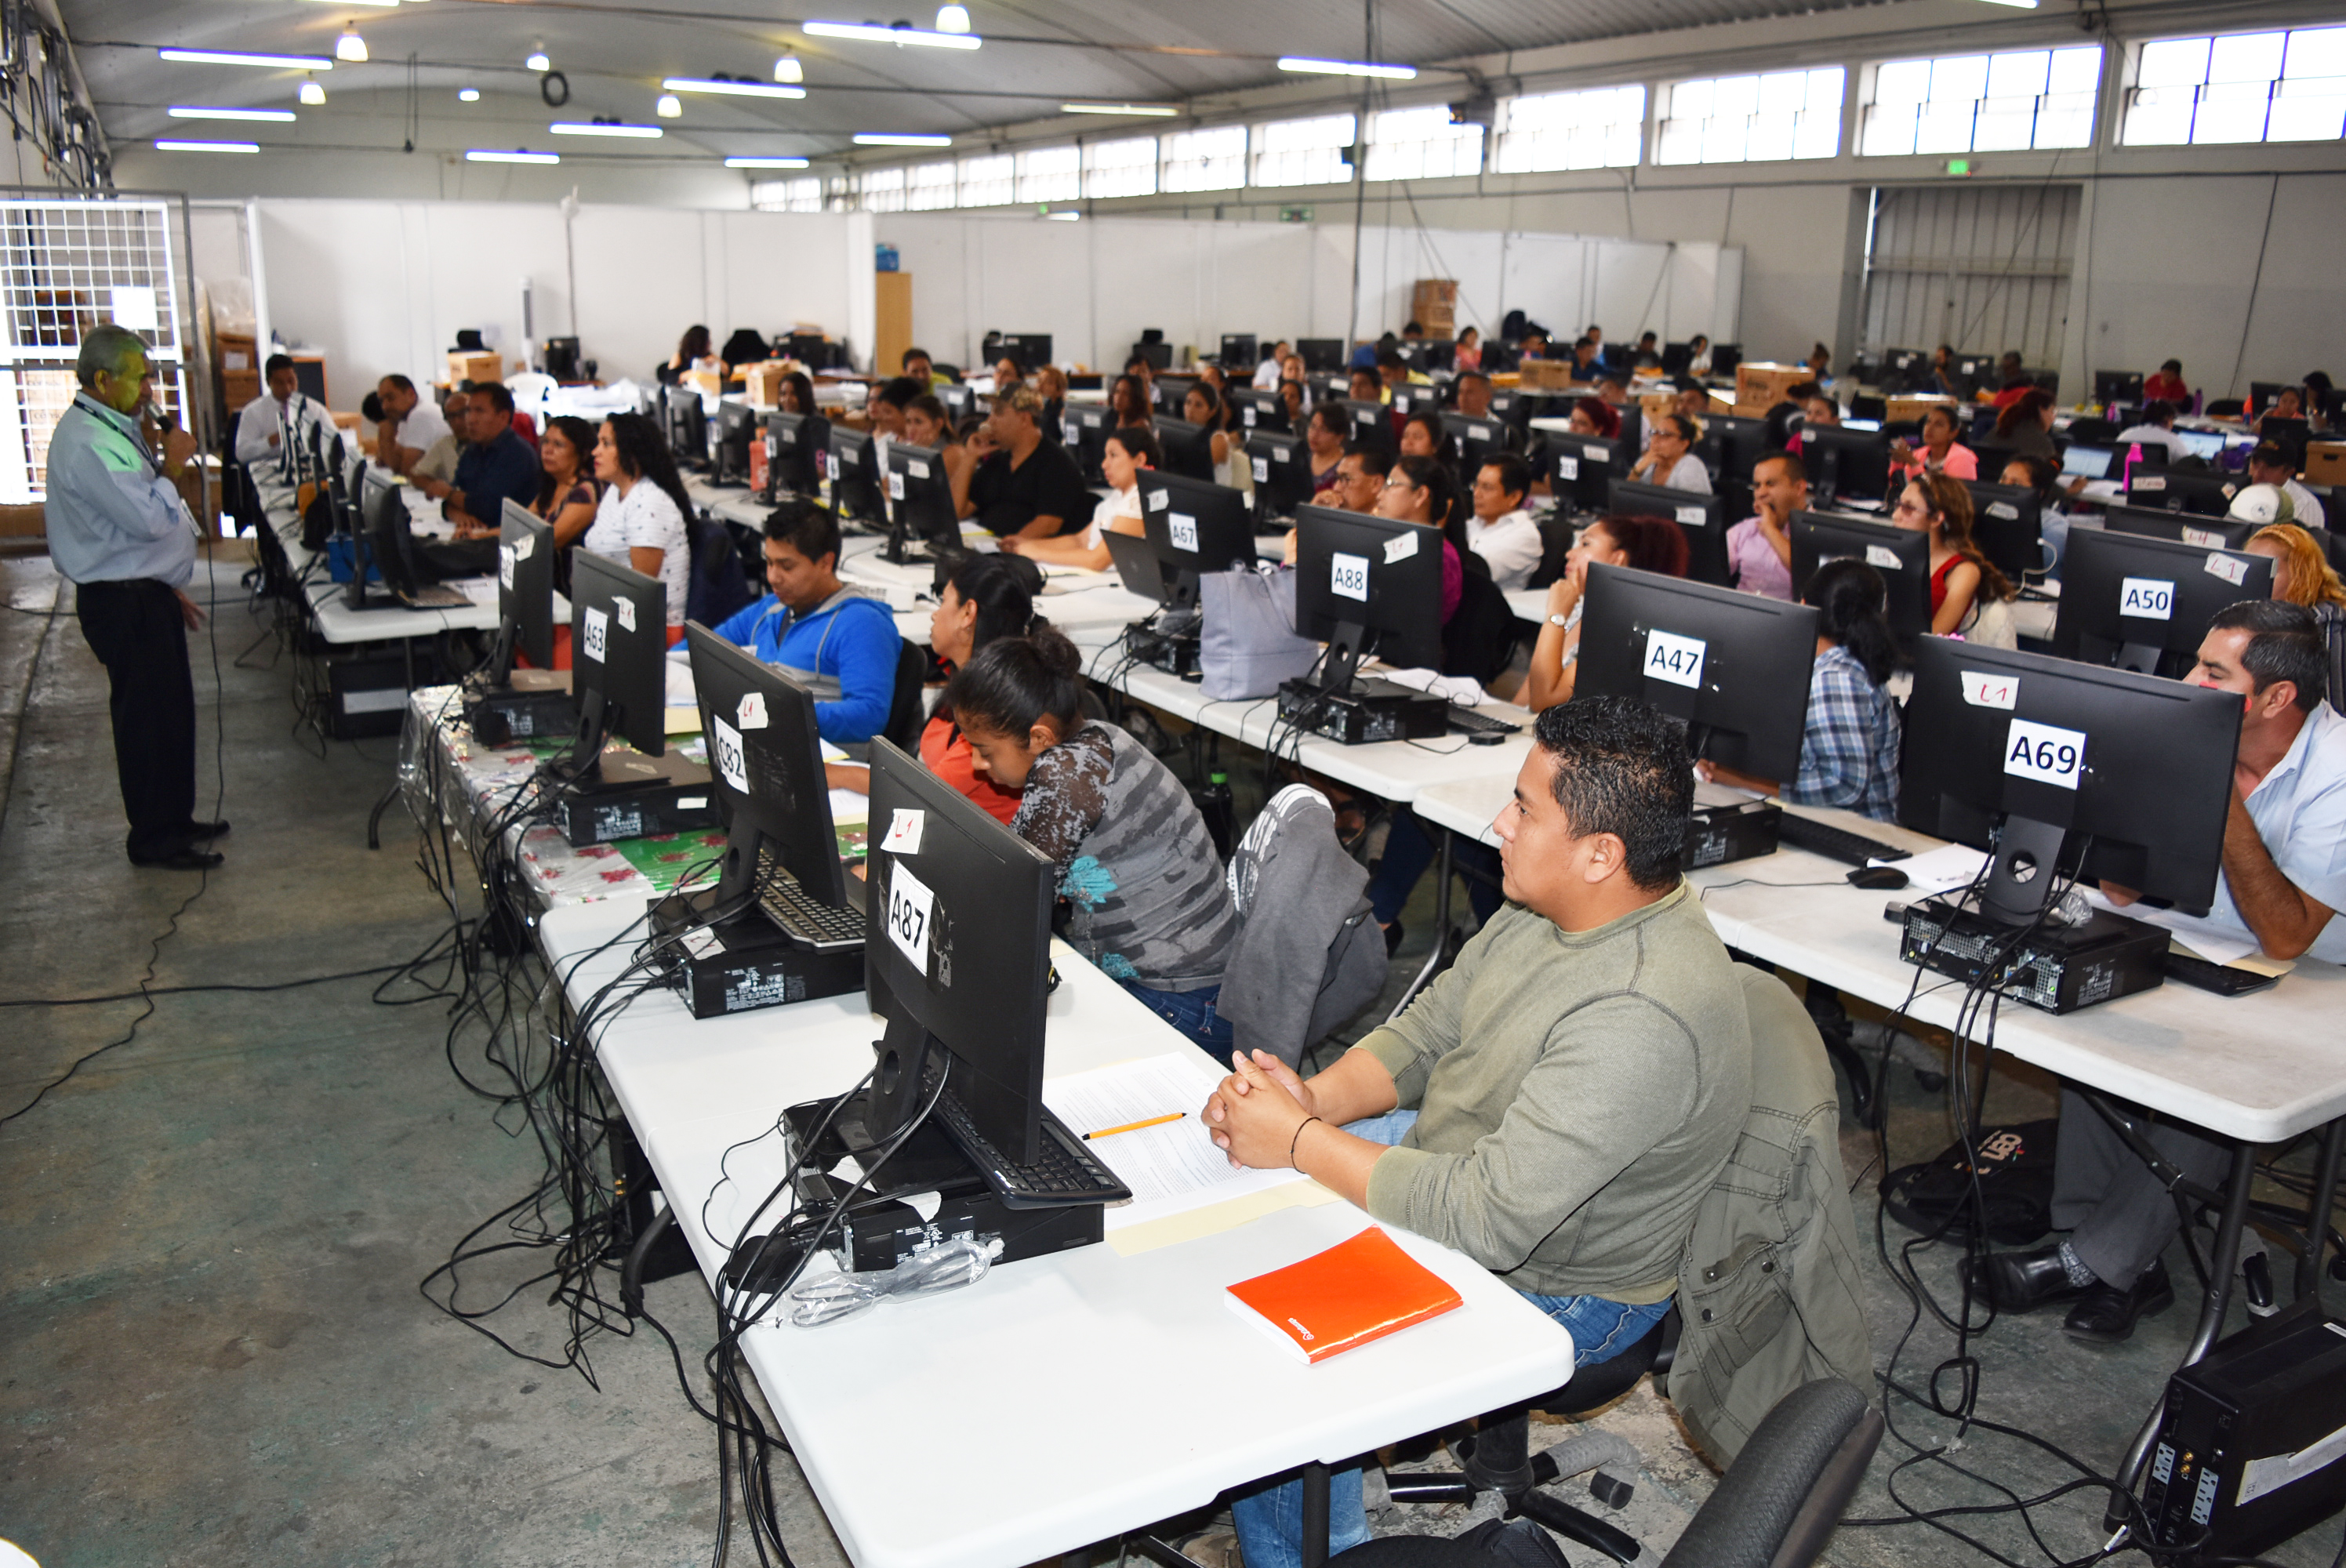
(1139, 882)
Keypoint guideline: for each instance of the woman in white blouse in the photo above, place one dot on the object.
(641, 520)
(1125, 453)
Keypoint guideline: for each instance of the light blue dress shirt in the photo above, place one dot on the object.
(110, 515)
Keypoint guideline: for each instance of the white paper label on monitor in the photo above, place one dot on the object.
(1881, 555)
(2150, 482)
(1263, 470)
(1597, 454)
(783, 437)
(1246, 415)
(1158, 500)
(906, 825)
(1400, 546)
(2004, 510)
(1479, 431)
(1183, 530)
(624, 609)
(1283, 454)
(2045, 752)
(598, 626)
(1074, 430)
(1693, 517)
(505, 558)
(895, 485)
(1348, 576)
(524, 547)
(1567, 467)
(910, 904)
(725, 750)
(692, 802)
(2146, 598)
(1674, 658)
(2207, 539)
(2219, 565)
(750, 714)
(1982, 689)
(916, 468)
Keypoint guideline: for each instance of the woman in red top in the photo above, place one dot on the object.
(2168, 383)
(1961, 577)
(987, 596)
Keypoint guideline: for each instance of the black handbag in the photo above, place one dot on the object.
(2014, 1187)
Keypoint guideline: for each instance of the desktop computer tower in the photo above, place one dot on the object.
(1717, 834)
(2055, 969)
(1367, 711)
(639, 797)
(534, 705)
(366, 696)
(2250, 1440)
(745, 965)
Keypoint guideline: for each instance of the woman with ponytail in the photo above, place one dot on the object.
(1139, 880)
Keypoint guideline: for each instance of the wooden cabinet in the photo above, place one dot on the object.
(892, 331)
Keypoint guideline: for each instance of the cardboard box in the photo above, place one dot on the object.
(1763, 384)
(1435, 293)
(476, 368)
(237, 352)
(762, 383)
(1549, 375)
(2325, 462)
(22, 521)
(238, 387)
(710, 382)
(1913, 408)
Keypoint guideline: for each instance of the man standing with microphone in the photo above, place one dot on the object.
(119, 531)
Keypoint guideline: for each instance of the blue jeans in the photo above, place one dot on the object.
(1410, 849)
(1270, 1522)
(1192, 1013)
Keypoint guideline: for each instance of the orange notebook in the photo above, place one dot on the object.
(1356, 1291)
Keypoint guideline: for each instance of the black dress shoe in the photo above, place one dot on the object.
(2022, 1281)
(207, 829)
(2107, 1314)
(187, 860)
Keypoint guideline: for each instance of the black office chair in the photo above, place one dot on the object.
(1480, 639)
(1775, 1507)
(2093, 432)
(1555, 542)
(907, 715)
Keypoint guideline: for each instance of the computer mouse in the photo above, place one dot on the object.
(1884, 878)
(1485, 738)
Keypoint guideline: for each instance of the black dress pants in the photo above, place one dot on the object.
(136, 630)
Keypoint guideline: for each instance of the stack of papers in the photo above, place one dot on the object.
(1939, 870)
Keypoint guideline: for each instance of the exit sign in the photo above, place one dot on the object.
(1959, 166)
(1295, 215)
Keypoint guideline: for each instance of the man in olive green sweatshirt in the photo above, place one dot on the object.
(1578, 1079)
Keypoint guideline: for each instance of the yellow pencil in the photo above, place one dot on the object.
(1136, 1126)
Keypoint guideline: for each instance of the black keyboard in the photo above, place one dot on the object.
(808, 919)
(1834, 843)
(1466, 721)
(1065, 1174)
(2220, 978)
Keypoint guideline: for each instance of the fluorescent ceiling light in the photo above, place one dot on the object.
(1155, 111)
(537, 61)
(468, 95)
(312, 94)
(732, 88)
(350, 46)
(786, 68)
(1347, 68)
(669, 106)
(953, 18)
(1065, 216)
(873, 33)
(233, 58)
(2022, 4)
(590, 127)
(190, 112)
(765, 163)
(889, 138)
(483, 155)
(385, 3)
(207, 147)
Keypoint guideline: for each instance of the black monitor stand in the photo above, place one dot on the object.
(1342, 705)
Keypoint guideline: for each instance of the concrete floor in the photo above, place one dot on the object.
(215, 1348)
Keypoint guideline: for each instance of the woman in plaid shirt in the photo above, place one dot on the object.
(1849, 754)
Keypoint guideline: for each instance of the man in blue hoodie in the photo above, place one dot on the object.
(841, 645)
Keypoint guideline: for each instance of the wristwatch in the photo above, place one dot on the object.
(1565, 621)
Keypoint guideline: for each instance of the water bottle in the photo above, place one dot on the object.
(1214, 804)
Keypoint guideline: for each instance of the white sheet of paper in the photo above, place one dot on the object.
(1169, 1167)
(2215, 943)
(1937, 871)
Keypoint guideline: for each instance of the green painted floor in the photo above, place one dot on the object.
(215, 1349)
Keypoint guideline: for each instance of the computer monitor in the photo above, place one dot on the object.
(2144, 603)
(2082, 462)
(1239, 352)
(1320, 354)
(2062, 769)
(618, 659)
(1087, 426)
(1409, 398)
(854, 477)
(920, 510)
(1734, 666)
(1031, 349)
(1282, 474)
(1369, 421)
(957, 959)
(1971, 369)
(1724, 358)
(1195, 526)
(1580, 470)
(1678, 359)
(1475, 439)
(960, 400)
(737, 427)
(1171, 393)
(765, 770)
(1902, 556)
(2117, 386)
(1843, 463)
(1702, 518)
(2207, 445)
(2206, 495)
(2008, 524)
(1741, 444)
(1432, 353)
(2262, 395)
(1367, 584)
(2290, 434)
(1189, 448)
(686, 423)
(372, 544)
(526, 552)
(2183, 527)
(1633, 426)
(1158, 355)
(792, 443)
(1258, 410)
